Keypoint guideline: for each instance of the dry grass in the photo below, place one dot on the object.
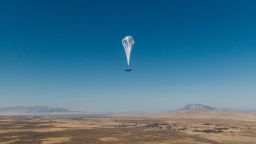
(55, 140)
(9, 142)
(109, 139)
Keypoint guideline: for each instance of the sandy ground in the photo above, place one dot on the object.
(164, 128)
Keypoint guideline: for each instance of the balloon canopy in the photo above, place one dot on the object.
(128, 43)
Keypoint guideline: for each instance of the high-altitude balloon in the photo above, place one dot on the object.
(128, 43)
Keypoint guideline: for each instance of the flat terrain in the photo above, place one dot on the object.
(165, 128)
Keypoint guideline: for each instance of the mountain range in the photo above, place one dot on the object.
(191, 109)
(33, 110)
(196, 107)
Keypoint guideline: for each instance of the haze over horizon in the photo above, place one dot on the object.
(69, 54)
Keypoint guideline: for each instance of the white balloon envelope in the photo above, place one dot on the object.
(128, 43)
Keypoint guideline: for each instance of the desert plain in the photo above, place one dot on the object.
(183, 127)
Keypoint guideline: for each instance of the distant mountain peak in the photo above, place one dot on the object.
(197, 106)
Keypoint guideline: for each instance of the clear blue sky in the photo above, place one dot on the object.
(68, 53)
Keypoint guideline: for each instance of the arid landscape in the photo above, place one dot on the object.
(127, 72)
(193, 126)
